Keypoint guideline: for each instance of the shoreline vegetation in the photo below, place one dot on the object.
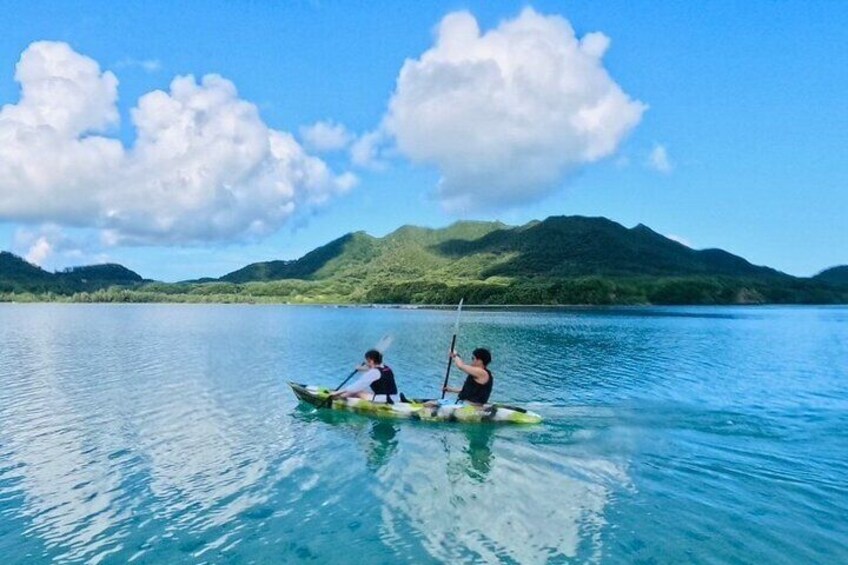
(559, 261)
(586, 291)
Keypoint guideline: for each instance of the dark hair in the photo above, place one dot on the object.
(483, 355)
(374, 355)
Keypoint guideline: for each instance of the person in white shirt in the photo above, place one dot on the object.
(377, 382)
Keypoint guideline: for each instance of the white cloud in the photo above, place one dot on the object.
(204, 165)
(505, 115)
(367, 150)
(679, 239)
(51, 247)
(39, 251)
(326, 136)
(147, 65)
(658, 160)
(150, 65)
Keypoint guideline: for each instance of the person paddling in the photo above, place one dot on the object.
(377, 383)
(478, 384)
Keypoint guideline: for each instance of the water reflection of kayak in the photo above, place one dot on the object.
(416, 410)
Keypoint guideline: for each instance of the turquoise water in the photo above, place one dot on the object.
(166, 433)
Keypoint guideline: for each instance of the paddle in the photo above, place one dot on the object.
(381, 346)
(453, 344)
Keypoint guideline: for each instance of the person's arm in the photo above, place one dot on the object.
(447, 388)
(360, 384)
(478, 374)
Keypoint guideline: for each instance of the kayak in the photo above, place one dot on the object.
(416, 409)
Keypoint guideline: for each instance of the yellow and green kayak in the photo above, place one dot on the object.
(417, 410)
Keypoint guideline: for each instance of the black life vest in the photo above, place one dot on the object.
(385, 384)
(472, 391)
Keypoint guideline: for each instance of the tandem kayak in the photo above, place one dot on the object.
(416, 410)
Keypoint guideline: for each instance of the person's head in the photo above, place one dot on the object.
(483, 355)
(374, 356)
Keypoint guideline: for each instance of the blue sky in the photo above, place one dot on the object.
(724, 125)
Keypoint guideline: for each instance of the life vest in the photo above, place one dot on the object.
(474, 392)
(385, 384)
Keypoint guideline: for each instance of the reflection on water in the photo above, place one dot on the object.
(479, 450)
(67, 495)
(489, 495)
(68, 499)
(167, 434)
(186, 454)
(377, 439)
(196, 459)
(383, 443)
(480, 492)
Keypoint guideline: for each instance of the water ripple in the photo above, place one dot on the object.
(167, 434)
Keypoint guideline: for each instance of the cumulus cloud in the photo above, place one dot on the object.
(658, 160)
(367, 151)
(326, 136)
(39, 251)
(505, 115)
(204, 166)
(50, 247)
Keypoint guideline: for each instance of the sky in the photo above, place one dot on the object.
(189, 139)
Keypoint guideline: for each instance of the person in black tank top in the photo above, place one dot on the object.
(479, 382)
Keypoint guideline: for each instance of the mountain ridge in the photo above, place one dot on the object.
(558, 260)
(833, 275)
(559, 246)
(19, 275)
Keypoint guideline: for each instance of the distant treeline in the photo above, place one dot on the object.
(562, 260)
(496, 291)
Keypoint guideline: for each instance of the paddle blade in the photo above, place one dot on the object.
(384, 343)
(458, 312)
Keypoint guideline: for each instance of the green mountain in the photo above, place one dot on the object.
(579, 246)
(561, 260)
(18, 275)
(409, 251)
(834, 275)
(100, 275)
(558, 247)
(324, 261)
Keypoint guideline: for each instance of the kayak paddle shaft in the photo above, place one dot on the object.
(450, 360)
(453, 344)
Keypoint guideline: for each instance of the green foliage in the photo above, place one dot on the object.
(684, 291)
(351, 249)
(837, 276)
(19, 277)
(559, 261)
(577, 246)
(109, 272)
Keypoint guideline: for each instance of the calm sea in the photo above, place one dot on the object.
(167, 434)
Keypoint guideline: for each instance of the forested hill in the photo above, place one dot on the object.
(408, 251)
(834, 275)
(18, 275)
(562, 246)
(561, 260)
